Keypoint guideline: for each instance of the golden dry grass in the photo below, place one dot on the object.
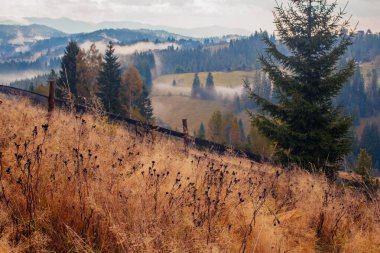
(78, 184)
(221, 79)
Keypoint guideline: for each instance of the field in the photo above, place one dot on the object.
(172, 104)
(172, 109)
(74, 183)
(221, 79)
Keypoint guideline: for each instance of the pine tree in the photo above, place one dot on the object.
(210, 91)
(201, 132)
(109, 81)
(196, 90)
(305, 125)
(145, 107)
(237, 105)
(67, 82)
(364, 166)
(364, 169)
(52, 75)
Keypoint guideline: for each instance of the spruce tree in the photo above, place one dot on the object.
(237, 105)
(52, 75)
(210, 91)
(364, 165)
(196, 89)
(109, 81)
(201, 132)
(305, 125)
(145, 106)
(67, 82)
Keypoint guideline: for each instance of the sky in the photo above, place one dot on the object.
(247, 14)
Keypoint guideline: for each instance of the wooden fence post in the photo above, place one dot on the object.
(51, 102)
(186, 132)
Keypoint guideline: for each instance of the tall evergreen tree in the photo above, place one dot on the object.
(237, 105)
(145, 107)
(109, 81)
(67, 82)
(196, 90)
(210, 91)
(307, 128)
(52, 75)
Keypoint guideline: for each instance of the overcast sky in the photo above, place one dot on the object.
(247, 14)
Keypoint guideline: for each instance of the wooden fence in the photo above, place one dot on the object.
(51, 102)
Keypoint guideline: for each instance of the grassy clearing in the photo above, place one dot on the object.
(221, 79)
(77, 184)
(172, 109)
(171, 104)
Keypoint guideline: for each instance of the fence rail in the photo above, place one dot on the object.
(200, 143)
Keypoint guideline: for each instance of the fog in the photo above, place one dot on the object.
(130, 49)
(163, 89)
(6, 78)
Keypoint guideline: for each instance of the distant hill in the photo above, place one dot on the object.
(19, 38)
(39, 48)
(76, 26)
(30, 42)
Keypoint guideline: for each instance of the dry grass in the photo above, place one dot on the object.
(221, 79)
(172, 109)
(78, 184)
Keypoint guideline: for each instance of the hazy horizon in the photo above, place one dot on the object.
(249, 15)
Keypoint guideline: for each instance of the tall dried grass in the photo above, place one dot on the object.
(75, 183)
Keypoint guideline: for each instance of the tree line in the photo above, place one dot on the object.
(242, 54)
(95, 79)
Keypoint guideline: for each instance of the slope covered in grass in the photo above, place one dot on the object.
(75, 183)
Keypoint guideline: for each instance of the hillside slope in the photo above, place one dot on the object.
(75, 183)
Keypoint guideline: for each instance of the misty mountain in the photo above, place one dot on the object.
(38, 48)
(15, 39)
(26, 43)
(74, 26)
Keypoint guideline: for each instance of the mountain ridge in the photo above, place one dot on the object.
(71, 26)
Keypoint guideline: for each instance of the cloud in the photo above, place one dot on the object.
(247, 14)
